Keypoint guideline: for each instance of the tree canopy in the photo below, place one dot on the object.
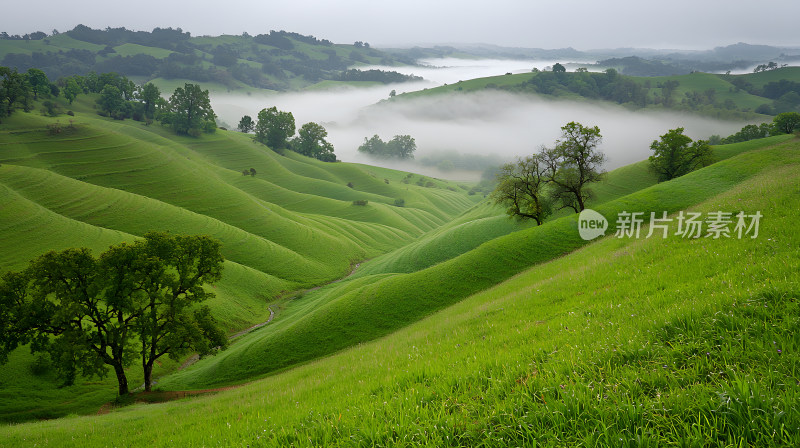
(134, 300)
(558, 176)
(399, 147)
(574, 163)
(311, 142)
(521, 188)
(675, 154)
(190, 111)
(274, 128)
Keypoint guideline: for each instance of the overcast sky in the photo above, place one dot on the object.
(581, 24)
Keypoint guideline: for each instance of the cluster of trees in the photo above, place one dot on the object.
(19, 90)
(89, 314)
(785, 94)
(188, 110)
(276, 129)
(784, 123)
(553, 178)
(399, 147)
(609, 86)
(385, 77)
(198, 61)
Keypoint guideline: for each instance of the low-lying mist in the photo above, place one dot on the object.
(493, 123)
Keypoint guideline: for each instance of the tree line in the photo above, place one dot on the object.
(246, 61)
(187, 111)
(90, 314)
(276, 129)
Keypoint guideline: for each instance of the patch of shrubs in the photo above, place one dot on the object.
(361, 202)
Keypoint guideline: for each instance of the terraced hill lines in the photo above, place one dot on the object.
(376, 300)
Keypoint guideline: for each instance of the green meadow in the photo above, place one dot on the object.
(441, 322)
(521, 336)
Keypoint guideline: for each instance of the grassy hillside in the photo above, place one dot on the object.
(277, 60)
(405, 286)
(731, 96)
(625, 342)
(292, 226)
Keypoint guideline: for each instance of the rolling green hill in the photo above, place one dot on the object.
(624, 342)
(292, 226)
(278, 60)
(722, 96)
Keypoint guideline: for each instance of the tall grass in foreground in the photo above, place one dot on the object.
(648, 342)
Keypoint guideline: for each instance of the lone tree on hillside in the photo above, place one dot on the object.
(534, 185)
(574, 163)
(274, 127)
(134, 299)
(190, 111)
(521, 188)
(675, 154)
(311, 142)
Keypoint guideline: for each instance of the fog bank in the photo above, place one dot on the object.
(485, 122)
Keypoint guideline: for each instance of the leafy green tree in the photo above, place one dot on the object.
(14, 90)
(149, 95)
(38, 82)
(373, 146)
(574, 163)
(667, 90)
(558, 68)
(274, 127)
(170, 322)
(675, 154)
(72, 89)
(311, 142)
(134, 300)
(401, 147)
(520, 188)
(787, 122)
(246, 124)
(190, 110)
(111, 101)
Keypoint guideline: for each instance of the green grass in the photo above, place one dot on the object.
(291, 227)
(134, 49)
(378, 301)
(625, 342)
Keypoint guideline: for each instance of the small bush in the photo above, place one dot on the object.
(430, 184)
(361, 202)
(399, 202)
(70, 113)
(350, 184)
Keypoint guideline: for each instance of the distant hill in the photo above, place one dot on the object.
(279, 60)
(749, 96)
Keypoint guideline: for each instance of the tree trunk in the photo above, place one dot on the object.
(121, 379)
(148, 376)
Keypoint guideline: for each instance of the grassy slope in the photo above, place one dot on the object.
(611, 345)
(371, 306)
(699, 82)
(110, 182)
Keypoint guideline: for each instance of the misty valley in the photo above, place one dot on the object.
(275, 239)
